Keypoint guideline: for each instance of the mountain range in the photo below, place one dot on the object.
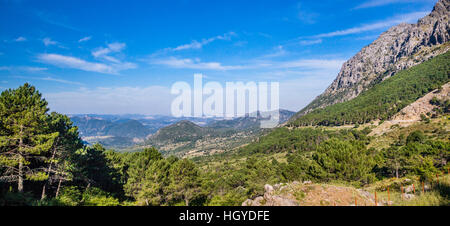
(127, 131)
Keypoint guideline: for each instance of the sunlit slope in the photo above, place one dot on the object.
(384, 99)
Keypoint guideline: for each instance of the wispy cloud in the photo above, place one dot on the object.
(20, 39)
(279, 51)
(48, 41)
(377, 3)
(404, 18)
(85, 39)
(22, 68)
(187, 63)
(76, 63)
(55, 20)
(310, 42)
(306, 15)
(199, 44)
(112, 100)
(310, 64)
(259, 63)
(240, 43)
(50, 79)
(103, 53)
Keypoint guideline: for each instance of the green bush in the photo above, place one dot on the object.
(97, 197)
(70, 196)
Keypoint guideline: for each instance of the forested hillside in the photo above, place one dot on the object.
(187, 139)
(44, 162)
(384, 99)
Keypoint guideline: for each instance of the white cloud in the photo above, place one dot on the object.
(112, 65)
(311, 64)
(22, 68)
(294, 95)
(404, 18)
(103, 53)
(306, 15)
(49, 79)
(188, 63)
(198, 45)
(376, 3)
(20, 39)
(310, 42)
(60, 80)
(54, 19)
(76, 63)
(115, 100)
(279, 51)
(265, 35)
(85, 39)
(48, 41)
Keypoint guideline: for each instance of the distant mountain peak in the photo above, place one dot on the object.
(441, 8)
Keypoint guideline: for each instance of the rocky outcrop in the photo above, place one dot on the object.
(271, 198)
(310, 194)
(412, 113)
(399, 48)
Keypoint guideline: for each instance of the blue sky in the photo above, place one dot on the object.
(116, 57)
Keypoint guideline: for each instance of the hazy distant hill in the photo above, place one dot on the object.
(187, 138)
(245, 123)
(126, 131)
(129, 128)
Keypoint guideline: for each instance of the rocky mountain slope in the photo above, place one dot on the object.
(399, 48)
(385, 99)
(413, 112)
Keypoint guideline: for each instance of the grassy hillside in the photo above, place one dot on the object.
(384, 99)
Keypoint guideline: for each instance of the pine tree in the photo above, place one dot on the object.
(60, 160)
(185, 183)
(24, 136)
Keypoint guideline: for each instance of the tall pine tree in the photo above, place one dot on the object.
(24, 135)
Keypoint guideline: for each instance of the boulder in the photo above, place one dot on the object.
(268, 188)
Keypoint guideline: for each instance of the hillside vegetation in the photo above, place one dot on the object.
(187, 139)
(46, 163)
(384, 99)
(399, 48)
(43, 160)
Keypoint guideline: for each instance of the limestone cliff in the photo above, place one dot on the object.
(399, 48)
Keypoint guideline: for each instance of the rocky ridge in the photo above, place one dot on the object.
(399, 48)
